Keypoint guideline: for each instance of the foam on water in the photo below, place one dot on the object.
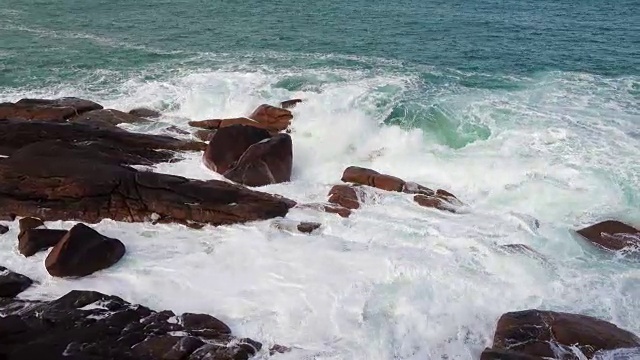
(394, 280)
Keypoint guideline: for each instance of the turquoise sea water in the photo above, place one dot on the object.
(524, 109)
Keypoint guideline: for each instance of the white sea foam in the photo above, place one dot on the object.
(394, 281)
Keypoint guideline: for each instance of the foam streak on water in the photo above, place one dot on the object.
(394, 281)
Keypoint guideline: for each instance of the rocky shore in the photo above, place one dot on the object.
(68, 159)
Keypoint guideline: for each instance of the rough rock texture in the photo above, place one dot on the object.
(537, 333)
(228, 144)
(364, 176)
(612, 235)
(35, 240)
(290, 103)
(501, 354)
(267, 162)
(3, 229)
(12, 284)
(145, 113)
(107, 118)
(204, 134)
(66, 183)
(270, 118)
(15, 134)
(86, 325)
(345, 196)
(28, 223)
(57, 110)
(83, 251)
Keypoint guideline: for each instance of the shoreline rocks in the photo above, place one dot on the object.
(267, 117)
(12, 283)
(612, 235)
(92, 325)
(55, 110)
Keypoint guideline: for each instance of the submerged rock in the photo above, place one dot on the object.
(145, 113)
(228, 144)
(545, 333)
(12, 284)
(107, 118)
(612, 235)
(67, 183)
(269, 161)
(91, 325)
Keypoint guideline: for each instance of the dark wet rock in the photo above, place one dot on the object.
(79, 105)
(56, 110)
(341, 211)
(12, 284)
(3, 229)
(539, 333)
(267, 162)
(433, 202)
(15, 134)
(364, 176)
(203, 322)
(28, 223)
(65, 184)
(290, 103)
(203, 134)
(345, 196)
(83, 251)
(35, 240)
(145, 113)
(270, 118)
(612, 235)
(90, 325)
(228, 144)
(176, 130)
(501, 354)
(278, 349)
(308, 227)
(107, 118)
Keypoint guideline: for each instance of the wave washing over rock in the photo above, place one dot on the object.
(460, 233)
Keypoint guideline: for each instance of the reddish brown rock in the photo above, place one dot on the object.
(612, 235)
(364, 176)
(345, 196)
(290, 103)
(68, 183)
(15, 134)
(29, 223)
(35, 240)
(83, 251)
(433, 202)
(228, 144)
(267, 162)
(266, 117)
(57, 110)
(106, 119)
(203, 134)
(145, 113)
(537, 333)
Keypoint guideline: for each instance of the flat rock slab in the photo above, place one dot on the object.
(64, 184)
(90, 325)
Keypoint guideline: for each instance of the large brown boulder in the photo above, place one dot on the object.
(106, 118)
(364, 176)
(228, 144)
(12, 284)
(345, 196)
(87, 325)
(612, 235)
(15, 134)
(57, 110)
(267, 162)
(270, 118)
(35, 240)
(68, 183)
(83, 251)
(538, 333)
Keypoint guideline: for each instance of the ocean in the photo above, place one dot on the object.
(528, 111)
